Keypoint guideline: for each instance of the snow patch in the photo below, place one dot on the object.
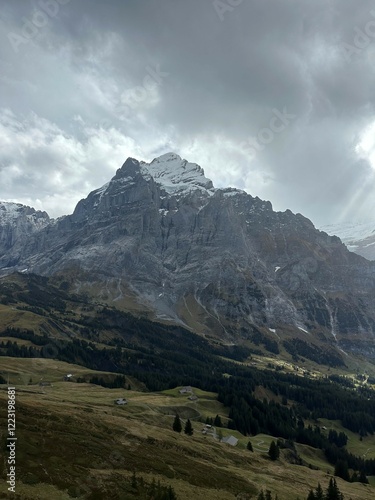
(273, 330)
(177, 176)
(350, 231)
(16, 213)
(231, 192)
(99, 193)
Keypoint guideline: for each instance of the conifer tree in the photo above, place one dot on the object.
(342, 470)
(274, 451)
(134, 480)
(354, 478)
(171, 494)
(333, 492)
(177, 427)
(217, 421)
(319, 494)
(261, 496)
(250, 446)
(188, 428)
(152, 490)
(362, 477)
(311, 495)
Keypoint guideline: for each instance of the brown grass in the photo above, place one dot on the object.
(73, 434)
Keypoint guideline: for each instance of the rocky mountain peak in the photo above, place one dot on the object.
(176, 176)
(171, 175)
(129, 169)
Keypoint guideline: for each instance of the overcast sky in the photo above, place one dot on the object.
(272, 96)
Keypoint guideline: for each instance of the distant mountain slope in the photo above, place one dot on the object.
(359, 237)
(159, 237)
(17, 223)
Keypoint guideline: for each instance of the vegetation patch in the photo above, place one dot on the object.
(297, 347)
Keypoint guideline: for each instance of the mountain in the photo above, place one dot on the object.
(160, 239)
(359, 237)
(17, 224)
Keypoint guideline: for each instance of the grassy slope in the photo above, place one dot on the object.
(364, 448)
(73, 434)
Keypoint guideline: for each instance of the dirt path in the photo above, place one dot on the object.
(259, 443)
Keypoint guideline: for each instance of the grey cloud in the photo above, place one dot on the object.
(225, 78)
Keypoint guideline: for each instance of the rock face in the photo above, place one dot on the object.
(217, 260)
(17, 224)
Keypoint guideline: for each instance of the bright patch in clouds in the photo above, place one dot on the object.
(366, 147)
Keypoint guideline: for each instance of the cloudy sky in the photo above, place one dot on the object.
(272, 96)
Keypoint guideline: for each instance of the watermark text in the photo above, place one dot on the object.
(11, 440)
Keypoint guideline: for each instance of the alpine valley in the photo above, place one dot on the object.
(174, 298)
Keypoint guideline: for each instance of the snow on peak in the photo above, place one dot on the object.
(359, 237)
(228, 192)
(168, 157)
(175, 175)
(99, 193)
(10, 212)
(351, 232)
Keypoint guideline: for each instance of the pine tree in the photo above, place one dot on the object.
(152, 489)
(217, 421)
(333, 492)
(319, 494)
(362, 477)
(342, 470)
(134, 480)
(274, 451)
(188, 428)
(250, 446)
(311, 495)
(171, 494)
(261, 496)
(354, 478)
(177, 427)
